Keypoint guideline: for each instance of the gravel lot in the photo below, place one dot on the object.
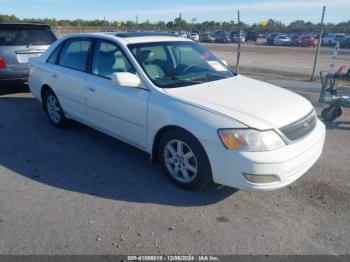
(287, 61)
(77, 191)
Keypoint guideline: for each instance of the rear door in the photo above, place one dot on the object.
(20, 42)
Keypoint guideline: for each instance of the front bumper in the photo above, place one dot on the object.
(288, 163)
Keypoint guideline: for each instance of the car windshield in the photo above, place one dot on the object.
(178, 64)
(14, 35)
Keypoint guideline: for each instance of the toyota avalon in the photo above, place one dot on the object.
(175, 100)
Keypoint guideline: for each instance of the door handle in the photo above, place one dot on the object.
(55, 76)
(91, 88)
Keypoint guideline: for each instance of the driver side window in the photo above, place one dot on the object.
(109, 59)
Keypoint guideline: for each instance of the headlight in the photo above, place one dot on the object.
(250, 139)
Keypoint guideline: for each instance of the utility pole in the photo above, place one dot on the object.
(137, 23)
(319, 45)
(58, 30)
(180, 24)
(79, 25)
(105, 25)
(239, 41)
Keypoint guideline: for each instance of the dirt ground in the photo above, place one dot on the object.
(285, 61)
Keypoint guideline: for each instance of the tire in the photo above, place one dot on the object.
(331, 113)
(189, 173)
(54, 110)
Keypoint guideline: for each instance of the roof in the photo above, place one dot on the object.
(145, 37)
(134, 37)
(25, 24)
(141, 34)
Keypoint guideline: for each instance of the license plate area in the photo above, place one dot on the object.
(24, 57)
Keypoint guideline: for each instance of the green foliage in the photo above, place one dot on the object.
(177, 23)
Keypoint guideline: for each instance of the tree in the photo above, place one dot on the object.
(272, 25)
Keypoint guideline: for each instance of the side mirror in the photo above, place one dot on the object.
(225, 62)
(126, 79)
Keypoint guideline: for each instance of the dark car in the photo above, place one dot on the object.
(294, 37)
(251, 36)
(18, 43)
(346, 42)
(270, 39)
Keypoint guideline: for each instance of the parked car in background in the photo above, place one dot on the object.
(184, 34)
(174, 33)
(238, 37)
(194, 36)
(217, 33)
(270, 38)
(306, 41)
(282, 40)
(173, 99)
(18, 43)
(332, 39)
(346, 42)
(262, 36)
(251, 36)
(207, 37)
(294, 37)
(223, 38)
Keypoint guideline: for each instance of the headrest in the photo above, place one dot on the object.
(146, 56)
(107, 58)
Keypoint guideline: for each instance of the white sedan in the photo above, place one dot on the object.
(175, 100)
(193, 36)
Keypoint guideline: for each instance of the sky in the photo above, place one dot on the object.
(252, 11)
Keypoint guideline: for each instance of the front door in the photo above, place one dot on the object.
(118, 110)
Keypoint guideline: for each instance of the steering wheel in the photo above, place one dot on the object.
(189, 67)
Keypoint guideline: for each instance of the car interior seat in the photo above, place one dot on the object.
(147, 61)
(105, 66)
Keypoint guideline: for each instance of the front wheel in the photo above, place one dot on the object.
(331, 113)
(54, 110)
(184, 160)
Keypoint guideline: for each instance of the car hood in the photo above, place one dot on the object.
(254, 103)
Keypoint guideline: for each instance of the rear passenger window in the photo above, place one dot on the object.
(109, 59)
(53, 57)
(75, 53)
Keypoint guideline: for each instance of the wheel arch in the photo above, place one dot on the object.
(158, 136)
(43, 90)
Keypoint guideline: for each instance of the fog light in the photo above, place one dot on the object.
(261, 179)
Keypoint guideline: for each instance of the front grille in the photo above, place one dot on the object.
(300, 128)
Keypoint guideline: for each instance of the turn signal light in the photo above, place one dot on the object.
(2, 63)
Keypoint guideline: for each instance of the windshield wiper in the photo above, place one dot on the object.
(216, 75)
(178, 82)
(210, 75)
(174, 78)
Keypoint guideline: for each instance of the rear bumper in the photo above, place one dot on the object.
(287, 163)
(8, 75)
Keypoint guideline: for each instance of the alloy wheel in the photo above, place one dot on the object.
(53, 108)
(180, 161)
